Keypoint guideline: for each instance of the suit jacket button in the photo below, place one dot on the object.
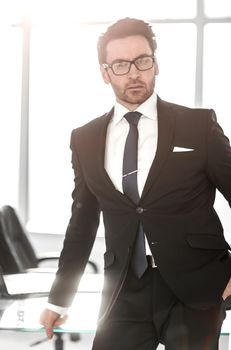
(139, 210)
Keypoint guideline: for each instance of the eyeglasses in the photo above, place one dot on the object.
(122, 67)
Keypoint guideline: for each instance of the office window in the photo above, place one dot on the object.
(218, 8)
(176, 54)
(162, 9)
(10, 92)
(66, 91)
(216, 90)
(217, 71)
(91, 11)
(149, 9)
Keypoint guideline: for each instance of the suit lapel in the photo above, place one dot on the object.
(100, 155)
(166, 128)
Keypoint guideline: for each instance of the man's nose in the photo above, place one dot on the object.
(133, 70)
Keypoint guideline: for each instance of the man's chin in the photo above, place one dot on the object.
(137, 98)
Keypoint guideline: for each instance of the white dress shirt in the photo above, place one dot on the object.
(117, 132)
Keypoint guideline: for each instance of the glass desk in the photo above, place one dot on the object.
(23, 314)
(18, 312)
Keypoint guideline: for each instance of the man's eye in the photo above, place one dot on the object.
(121, 64)
(142, 60)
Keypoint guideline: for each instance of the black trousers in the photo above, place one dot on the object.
(147, 313)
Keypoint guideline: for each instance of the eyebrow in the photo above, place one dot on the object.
(126, 60)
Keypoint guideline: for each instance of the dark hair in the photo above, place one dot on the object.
(123, 28)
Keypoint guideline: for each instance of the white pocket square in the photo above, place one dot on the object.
(182, 149)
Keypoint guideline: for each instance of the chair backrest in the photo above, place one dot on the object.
(16, 251)
(3, 289)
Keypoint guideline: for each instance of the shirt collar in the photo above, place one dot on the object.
(148, 109)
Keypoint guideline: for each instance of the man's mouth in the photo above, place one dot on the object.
(135, 87)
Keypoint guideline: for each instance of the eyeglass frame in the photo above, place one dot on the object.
(107, 65)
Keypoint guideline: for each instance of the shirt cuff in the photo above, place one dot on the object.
(58, 309)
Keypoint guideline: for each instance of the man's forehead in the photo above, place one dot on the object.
(129, 47)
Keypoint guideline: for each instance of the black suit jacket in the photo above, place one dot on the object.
(176, 210)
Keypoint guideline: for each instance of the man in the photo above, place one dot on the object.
(175, 295)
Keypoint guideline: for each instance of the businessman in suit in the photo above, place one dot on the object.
(152, 168)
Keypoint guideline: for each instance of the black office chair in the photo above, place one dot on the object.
(16, 251)
(17, 254)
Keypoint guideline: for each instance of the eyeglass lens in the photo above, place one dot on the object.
(141, 63)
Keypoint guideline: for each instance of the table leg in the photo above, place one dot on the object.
(58, 341)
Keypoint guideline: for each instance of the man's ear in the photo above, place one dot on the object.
(105, 75)
(156, 67)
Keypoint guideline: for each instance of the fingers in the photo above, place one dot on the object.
(50, 319)
(47, 319)
(49, 332)
(61, 320)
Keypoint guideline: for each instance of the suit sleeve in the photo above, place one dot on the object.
(79, 238)
(219, 157)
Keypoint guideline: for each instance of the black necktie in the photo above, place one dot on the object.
(130, 188)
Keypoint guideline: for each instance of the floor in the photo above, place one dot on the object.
(23, 341)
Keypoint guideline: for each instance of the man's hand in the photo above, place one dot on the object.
(50, 319)
(227, 291)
